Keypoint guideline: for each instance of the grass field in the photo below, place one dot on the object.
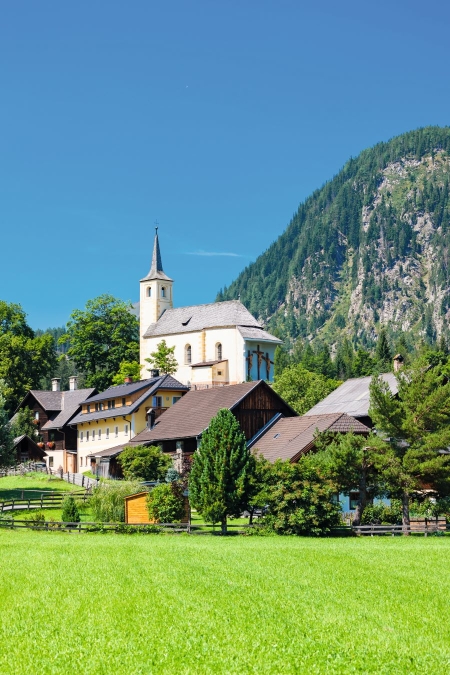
(32, 485)
(177, 604)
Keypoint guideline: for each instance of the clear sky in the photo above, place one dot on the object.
(215, 118)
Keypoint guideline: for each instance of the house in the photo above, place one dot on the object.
(53, 413)
(215, 344)
(27, 450)
(353, 398)
(178, 431)
(116, 415)
(288, 438)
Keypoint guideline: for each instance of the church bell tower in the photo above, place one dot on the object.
(156, 291)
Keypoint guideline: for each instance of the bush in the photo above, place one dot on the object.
(300, 500)
(108, 500)
(70, 513)
(165, 503)
(381, 514)
(143, 463)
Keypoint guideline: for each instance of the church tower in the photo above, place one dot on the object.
(156, 292)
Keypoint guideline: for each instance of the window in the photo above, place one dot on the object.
(50, 461)
(219, 372)
(88, 408)
(149, 291)
(109, 405)
(81, 436)
(99, 434)
(353, 499)
(218, 352)
(36, 415)
(163, 291)
(107, 433)
(123, 401)
(96, 407)
(93, 435)
(179, 445)
(101, 405)
(116, 431)
(157, 401)
(175, 399)
(81, 461)
(188, 354)
(113, 404)
(87, 435)
(125, 429)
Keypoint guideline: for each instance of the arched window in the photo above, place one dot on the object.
(188, 354)
(149, 291)
(218, 351)
(163, 291)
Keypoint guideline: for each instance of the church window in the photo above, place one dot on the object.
(218, 352)
(149, 291)
(163, 291)
(188, 354)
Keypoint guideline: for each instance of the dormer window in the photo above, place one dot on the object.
(218, 352)
(163, 291)
(149, 291)
(188, 354)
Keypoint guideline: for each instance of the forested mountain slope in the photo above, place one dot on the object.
(370, 248)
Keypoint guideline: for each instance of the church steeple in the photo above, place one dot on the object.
(156, 269)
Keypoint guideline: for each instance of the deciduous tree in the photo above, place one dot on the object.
(302, 389)
(145, 463)
(101, 337)
(163, 359)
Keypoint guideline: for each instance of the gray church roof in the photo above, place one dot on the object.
(214, 315)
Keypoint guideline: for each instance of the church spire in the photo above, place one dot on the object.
(156, 269)
(156, 258)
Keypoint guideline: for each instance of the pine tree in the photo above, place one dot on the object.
(383, 352)
(219, 482)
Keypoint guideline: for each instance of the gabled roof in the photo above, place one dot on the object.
(291, 437)
(257, 333)
(70, 403)
(191, 415)
(36, 448)
(352, 397)
(197, 317)
(150, 387)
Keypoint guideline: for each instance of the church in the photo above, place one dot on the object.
(215, 344)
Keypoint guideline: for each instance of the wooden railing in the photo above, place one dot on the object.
(44, 501)
(426, 528)
(14, 523)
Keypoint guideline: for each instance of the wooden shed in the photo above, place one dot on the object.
(136, 510)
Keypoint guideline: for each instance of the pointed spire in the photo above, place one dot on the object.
(156, 270)
(156, 258)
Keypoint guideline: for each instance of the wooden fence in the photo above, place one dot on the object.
(425, 528)
(44, 501)
(48, 526)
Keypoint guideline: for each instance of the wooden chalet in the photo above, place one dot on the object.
(27, 450)
(53, 412)
(288, 438)
(254, 404)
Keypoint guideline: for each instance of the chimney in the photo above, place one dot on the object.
(128, 379)
(398, 362)
(56, 381)
(154, 373)
(73, 381)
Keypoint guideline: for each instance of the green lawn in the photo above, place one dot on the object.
(144, 604)
(32, 485)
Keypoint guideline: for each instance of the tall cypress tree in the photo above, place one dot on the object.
(219, 482)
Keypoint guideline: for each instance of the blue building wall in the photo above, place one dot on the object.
(266, 357)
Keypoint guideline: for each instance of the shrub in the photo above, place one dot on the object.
(300, 500)
(143, 463)
(381, 514)
(108, 500)
(165, 503)
(70, 513)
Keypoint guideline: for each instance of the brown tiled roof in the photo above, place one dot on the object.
(191, 415)
(291, 437)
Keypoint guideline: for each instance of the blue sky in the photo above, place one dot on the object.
(216, 119)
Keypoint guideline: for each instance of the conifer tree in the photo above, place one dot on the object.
(219, 482)
(383, 352)
(70, 513)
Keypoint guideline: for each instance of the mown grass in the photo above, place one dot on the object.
(179, 604)
(32, 485)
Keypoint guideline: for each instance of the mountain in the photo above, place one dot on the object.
(368, 249)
